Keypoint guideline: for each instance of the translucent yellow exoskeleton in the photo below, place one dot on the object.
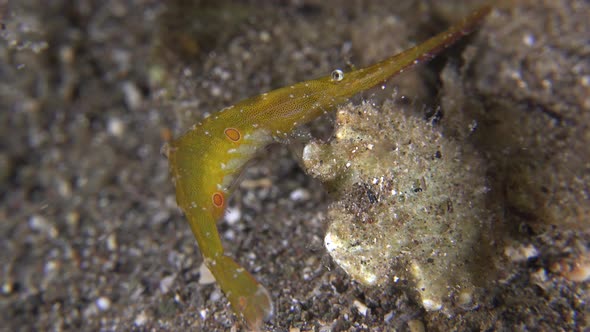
(206, 160)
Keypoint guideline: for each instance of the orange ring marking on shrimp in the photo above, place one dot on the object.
(233, 134)
(218, 199)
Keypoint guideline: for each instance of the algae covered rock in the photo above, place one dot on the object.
(409, 203)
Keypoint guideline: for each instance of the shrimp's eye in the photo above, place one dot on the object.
(337, 75)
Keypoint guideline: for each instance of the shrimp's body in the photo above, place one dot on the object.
(206, 160)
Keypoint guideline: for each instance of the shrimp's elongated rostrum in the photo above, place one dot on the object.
(206, 161)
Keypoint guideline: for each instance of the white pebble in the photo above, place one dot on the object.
(132, 95)
(141, 319)
(229, 235)
(203, 314)
(103, 303)
(41, 224)
(264, 36)
(166, 283)
(299, 195)
(215, 296)
(50, 267)
(528, 39)
(7, 288)
(116, 127)
(388, 317)
(232, 215)
(112, 242)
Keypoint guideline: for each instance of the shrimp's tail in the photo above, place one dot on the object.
(247, 297)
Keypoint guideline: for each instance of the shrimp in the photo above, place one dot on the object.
(206, 161)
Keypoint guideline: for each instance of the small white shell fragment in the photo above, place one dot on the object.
(205, 275)
(166, 283)
(520, 253)
(361, 307)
